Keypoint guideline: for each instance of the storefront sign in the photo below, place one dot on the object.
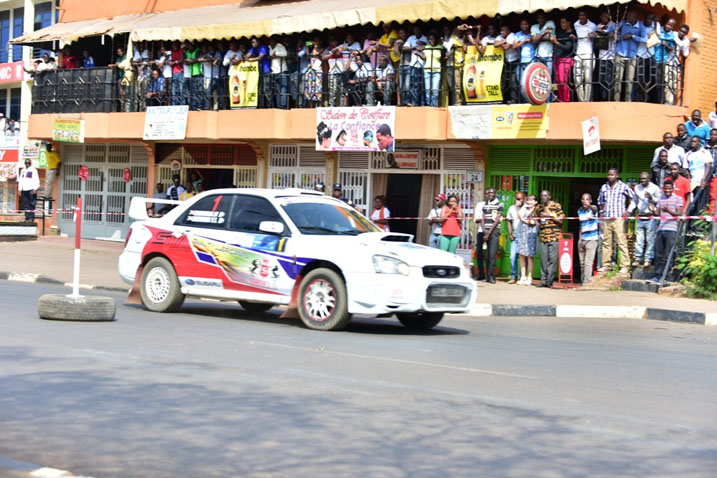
(482, 74)
(9, 155)
(519, 121)
(11, 72)
(402, 160)
(244, 84)
(165, 122)
(68, 130)
(369, 128)
(591, 136)
(536, 83)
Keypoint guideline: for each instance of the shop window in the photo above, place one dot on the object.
(15, 102)
(4, 35)
(554, 159)
(3, 101)
(18, 26)
(600, 161)
(43, 15)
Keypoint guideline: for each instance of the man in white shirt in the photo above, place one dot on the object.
(434, 219)
(385, 79)
(363, 85)
(700, 164)
(279, 74)
(415, 43)
(28, 182)
(646, 65)
(541, 34)
(675, 154)
(645, 199)
(513, 222)
(509, 81)
(584, 58)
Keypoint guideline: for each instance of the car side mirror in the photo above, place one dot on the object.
(271, 227)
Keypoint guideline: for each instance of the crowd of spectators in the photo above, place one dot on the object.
(420, 64)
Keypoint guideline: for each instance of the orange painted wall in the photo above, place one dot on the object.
(619, 122)
(74, 10)
(701, 70)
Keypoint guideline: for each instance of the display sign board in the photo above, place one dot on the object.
(591, 136)
(68, 130)
(474, 176)
(365, 128)
(165, 122)
(402, 160)
(12, 72)
(519, 121)
(244, 85)
(536, 83)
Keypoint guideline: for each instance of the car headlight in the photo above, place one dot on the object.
(390, 265)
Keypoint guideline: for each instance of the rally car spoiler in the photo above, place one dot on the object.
(138, 207)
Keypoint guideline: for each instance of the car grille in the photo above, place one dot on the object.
(441, 272)
(447, 294)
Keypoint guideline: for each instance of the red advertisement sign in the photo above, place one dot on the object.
(11, 72)
(126, 175)
(83, 173)
(9, 155)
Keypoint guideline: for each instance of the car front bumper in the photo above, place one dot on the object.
(371, 293)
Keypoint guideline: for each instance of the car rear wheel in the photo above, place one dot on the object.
(160, 288)
(323, 303)
(421, 320)
(255, 307)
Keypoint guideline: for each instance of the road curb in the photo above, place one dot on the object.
(593, 311)
(41, 279)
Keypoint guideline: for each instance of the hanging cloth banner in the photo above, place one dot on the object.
(482, 75)
(244, 84)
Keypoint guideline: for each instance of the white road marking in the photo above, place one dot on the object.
(402, 361)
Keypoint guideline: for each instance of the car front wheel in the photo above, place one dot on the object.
(160, 287)
(323, 301)
(421, 320)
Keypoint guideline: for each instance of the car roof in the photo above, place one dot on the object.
(270, 193)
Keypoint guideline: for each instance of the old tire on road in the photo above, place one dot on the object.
(323, 302)
(83, 309)
(159, 286)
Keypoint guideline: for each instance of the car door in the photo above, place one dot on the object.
(262, 258)
(202, 232)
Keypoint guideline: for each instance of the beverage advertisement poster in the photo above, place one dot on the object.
(519, 121)
(367, 128)
(482, 75)
(244, 85)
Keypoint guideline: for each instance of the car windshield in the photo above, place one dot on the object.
(326, 218)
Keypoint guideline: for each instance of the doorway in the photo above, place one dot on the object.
(403, 196)
(214, 178)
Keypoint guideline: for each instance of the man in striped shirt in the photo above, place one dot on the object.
(612, 201)
(668, 207)
(587, 245)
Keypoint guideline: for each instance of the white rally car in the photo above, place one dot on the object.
(266, 247)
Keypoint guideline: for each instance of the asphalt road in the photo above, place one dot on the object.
(213, 392)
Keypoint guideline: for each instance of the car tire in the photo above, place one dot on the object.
(159, 286)
(83, 308)
(323, 302)
(255, 307)
(420, 320)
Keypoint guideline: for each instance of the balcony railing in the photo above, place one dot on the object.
(100, 89)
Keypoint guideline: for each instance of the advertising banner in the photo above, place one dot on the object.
(367, 128)
(519, 121)
(244, 85)
(165, 122)
(482, 74)
(591, 136)
(402, 160)
(12, 72)
(68, 130)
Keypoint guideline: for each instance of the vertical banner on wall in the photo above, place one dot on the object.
(244, 84)
(591, 136)
(482, 75)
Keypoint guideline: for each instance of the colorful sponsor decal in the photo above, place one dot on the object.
(482, 75)
(519, 121)
(536, 83)
(206, 217)
(68, 130)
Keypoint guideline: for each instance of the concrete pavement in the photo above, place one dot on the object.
(49, 259)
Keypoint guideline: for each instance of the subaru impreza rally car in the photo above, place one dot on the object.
(267, 247)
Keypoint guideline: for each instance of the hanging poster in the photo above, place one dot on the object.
(68, 130)
(482, 75)
(366, 128)
(591, 136)
(244, 84)
(165, 122)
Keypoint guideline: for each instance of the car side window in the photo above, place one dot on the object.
(209, 212)
(250, 211)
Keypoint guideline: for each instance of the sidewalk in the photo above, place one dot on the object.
(49, 259)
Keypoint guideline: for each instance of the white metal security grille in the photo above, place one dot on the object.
(245, 177)
(293, 166)
(355, 186)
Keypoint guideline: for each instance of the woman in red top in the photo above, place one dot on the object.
(452, 218)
